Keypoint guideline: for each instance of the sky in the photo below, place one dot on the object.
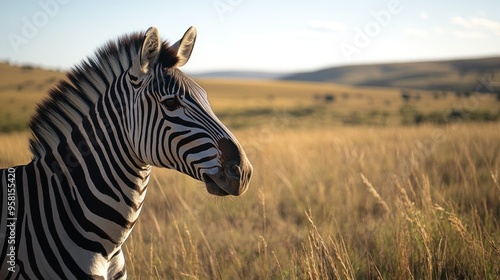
(256, 35)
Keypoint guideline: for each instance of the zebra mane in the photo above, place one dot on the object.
(71, 99)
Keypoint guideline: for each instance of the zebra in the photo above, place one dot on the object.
(67, 213)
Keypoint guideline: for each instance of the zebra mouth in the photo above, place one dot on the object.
(212, 187)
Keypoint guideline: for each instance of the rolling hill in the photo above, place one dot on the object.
(258, 75)
(454, 75)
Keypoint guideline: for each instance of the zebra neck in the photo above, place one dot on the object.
(113, 200)
(95, 167)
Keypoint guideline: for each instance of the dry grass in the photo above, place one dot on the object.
(425, 207)
(307, 104)
(21, 88)
(310, 215)
(14, 149)
(255, 94)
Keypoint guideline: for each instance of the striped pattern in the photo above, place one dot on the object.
(95, 139)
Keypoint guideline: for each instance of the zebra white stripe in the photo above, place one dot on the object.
(66, 214)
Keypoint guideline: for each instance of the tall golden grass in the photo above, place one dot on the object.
(418, 202)
(345, 203)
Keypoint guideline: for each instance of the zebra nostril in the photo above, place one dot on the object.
(232, 170)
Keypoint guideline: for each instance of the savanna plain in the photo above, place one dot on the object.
(349, 183)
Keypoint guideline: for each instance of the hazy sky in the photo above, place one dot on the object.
(262, 35)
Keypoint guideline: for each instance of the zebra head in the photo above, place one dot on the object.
(171, 123)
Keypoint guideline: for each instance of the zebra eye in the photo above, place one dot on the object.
(171, 103)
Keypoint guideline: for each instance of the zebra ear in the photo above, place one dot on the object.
(184, 47)
(148, 54)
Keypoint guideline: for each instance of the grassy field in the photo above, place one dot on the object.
(21, 88)
(347, 202)
(338, 191)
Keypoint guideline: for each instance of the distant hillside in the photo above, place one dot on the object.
(456, 75)
(240, 74)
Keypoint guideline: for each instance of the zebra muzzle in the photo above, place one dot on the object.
(232, 179)
(233, 170)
